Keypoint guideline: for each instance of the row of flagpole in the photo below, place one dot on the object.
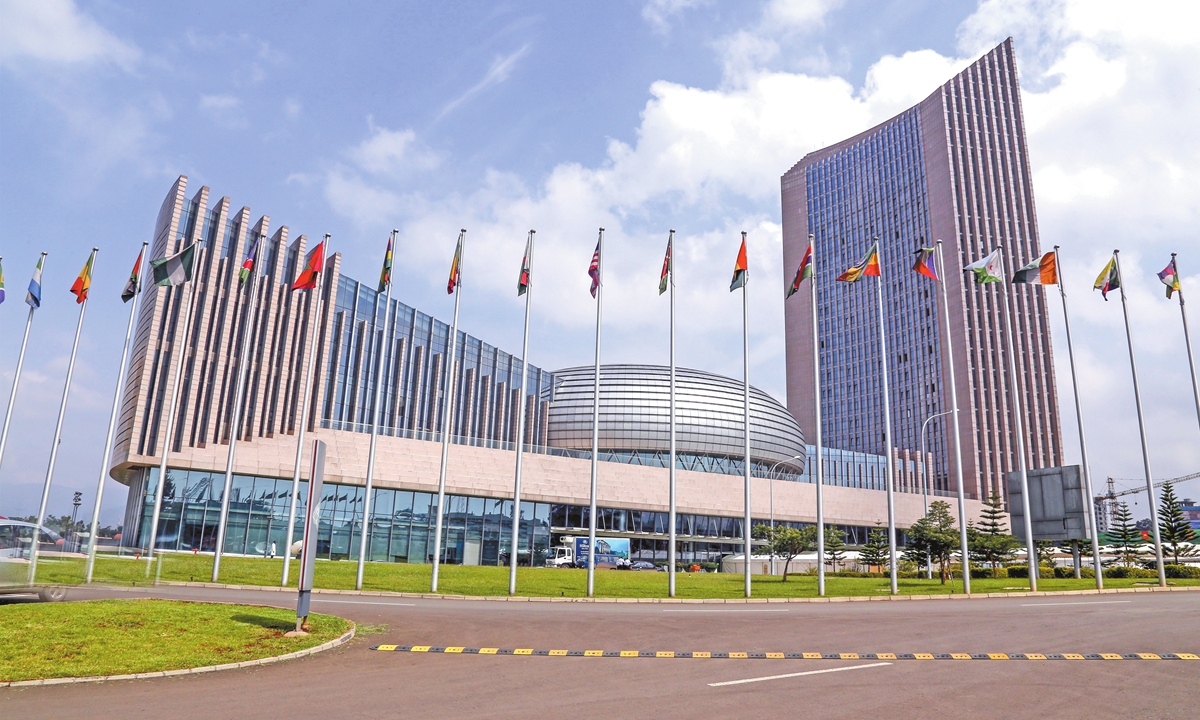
(177, 269)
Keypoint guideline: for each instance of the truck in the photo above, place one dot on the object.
(572, 551)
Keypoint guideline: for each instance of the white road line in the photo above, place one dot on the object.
(792, 675)
(364, 602)
(732, 610)
(1090, 602)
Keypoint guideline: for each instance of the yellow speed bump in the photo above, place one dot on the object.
(523, 651)
(738, 656)
(453, 650)
(629, 653)
(849, 656)
(923, 656)
(593, 653)
(775, 656)
(814, 656)
(1111, 656)
(707, 655)
(960, 656)
(1034, 656)
(488, 651)
(665, 654)
(421, 648)
(558, 653)
(997, 656)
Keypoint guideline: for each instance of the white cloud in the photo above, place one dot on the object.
(502, 66)
(800, 14)
(218, 102)
(659, 13)
(57, 32)
(391, 151)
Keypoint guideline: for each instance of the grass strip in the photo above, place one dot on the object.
(117, 637)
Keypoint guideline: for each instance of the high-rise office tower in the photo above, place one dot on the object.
(956, 168)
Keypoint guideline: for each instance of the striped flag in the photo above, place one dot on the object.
(523, 280)
(924, 264)
(804, 272)
(667, 268)
(33, 298)
(1, 283)
(740, 268)
(175, 269)
(385, 275)
(1169, 277)
(868, 267)
(455, 268)
(313, 264)
(134, 285)
(594, 270)
(987, 270)
(1108, 279)
(83, 283)
(248, 263)
(1043, 271)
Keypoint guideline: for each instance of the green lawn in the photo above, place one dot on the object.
(117, 637)
(536, 582)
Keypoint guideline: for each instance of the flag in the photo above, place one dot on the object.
(248, 263)
(667, 268)
(385, 275)
(523, 280)
(987, 270)
(1108, 279)
(313, 265)
(1169, 277)
(594, 270)
(740, 269)
(452, 283)
(83, 283)
(175, 269)
(868, 267)
(33, 298)
(1043, 271)
(1, 282)
(924, 264)
(804, 271)
(134, 285)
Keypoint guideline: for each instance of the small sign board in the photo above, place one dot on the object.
(308, 548)
(1058, 505)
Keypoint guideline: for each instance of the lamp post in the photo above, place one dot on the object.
(925, 484)
(771, 486)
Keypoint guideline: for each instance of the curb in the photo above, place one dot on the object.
(684, 601)
(347, 637)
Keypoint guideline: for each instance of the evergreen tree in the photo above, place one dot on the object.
(1174, 529)
(1125, 535)
(936, 535)
(990, 543)
(875, 552)
(835, 547)
(786, 541)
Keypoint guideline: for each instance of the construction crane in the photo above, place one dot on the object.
(1106, 504)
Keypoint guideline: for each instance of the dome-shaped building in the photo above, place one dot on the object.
(635, 417)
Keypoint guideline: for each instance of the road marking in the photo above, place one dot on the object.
(1091, 602)
(731, 610)
(363, 602)
(799, 674)
(775, 655)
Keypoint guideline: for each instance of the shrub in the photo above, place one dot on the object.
(1045, 572)
(1182, 571)
(1130, 572)
(1068, 571)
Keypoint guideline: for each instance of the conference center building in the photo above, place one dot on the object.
(357, 337)
(953, 168)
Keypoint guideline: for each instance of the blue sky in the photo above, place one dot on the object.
(639, 116)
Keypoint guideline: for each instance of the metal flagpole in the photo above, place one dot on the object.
(235, 423)
(62, 411)
(112, 419)
(450, 367)
(817, 413)
(926, 486)
(1187, 340)
(1093, 526)
(516, 521)
(591, 560)
(1137, 397)
(746, 530)
(1014, 392)
(375, 413)
(671, 516)
(12, 398)
(887, 433)
(958, 473)
(312, 358)
(166, 432)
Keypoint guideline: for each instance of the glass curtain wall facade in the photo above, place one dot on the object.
(412, 347)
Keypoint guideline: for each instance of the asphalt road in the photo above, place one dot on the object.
(354, 681)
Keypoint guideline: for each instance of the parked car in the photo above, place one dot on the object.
(16, 545)
(642, 565)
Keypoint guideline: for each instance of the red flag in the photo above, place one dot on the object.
(739, 268)
(313, 265)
